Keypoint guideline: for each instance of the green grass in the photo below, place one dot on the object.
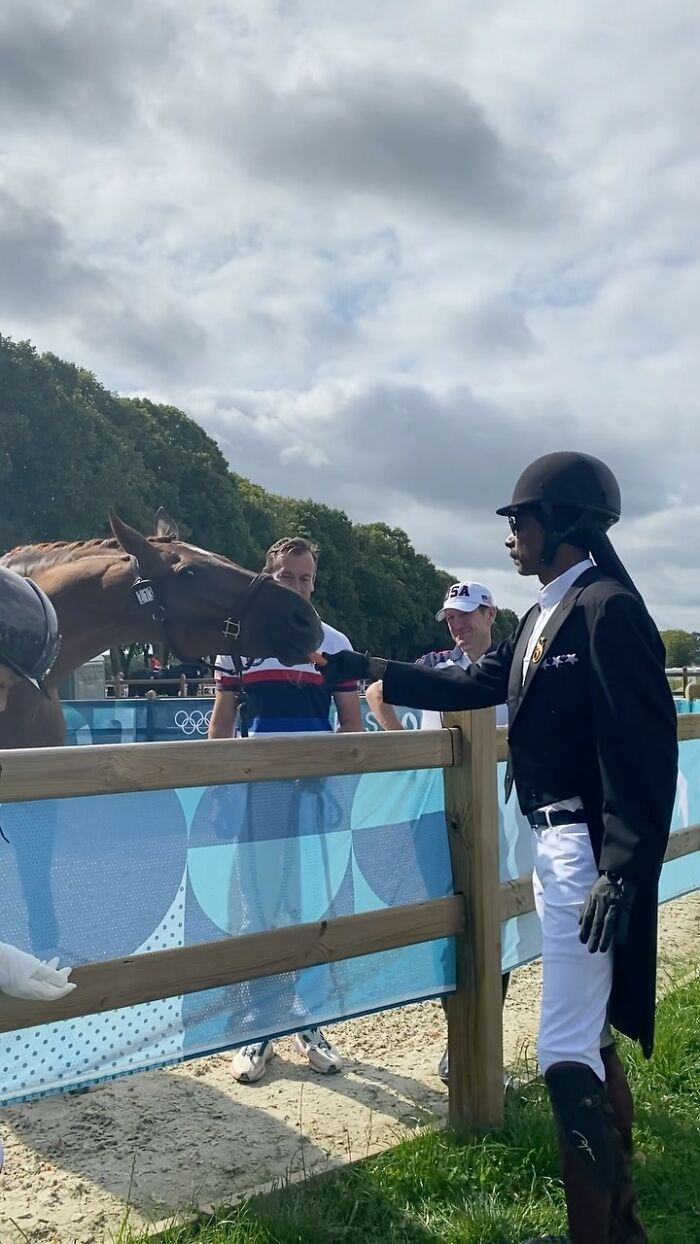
(498, 1188)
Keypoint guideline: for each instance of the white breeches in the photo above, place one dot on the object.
(575, 983)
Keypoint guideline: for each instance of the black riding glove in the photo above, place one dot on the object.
(606, 912)
(347, 666)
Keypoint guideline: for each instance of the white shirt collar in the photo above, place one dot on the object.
(553, 593)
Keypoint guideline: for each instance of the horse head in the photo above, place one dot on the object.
(206, 604)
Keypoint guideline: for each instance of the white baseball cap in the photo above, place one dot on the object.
(466, 597)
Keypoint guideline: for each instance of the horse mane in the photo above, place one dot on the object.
(27, 559)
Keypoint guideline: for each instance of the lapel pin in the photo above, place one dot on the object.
(538, 651)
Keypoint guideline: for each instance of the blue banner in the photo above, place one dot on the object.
(164, 720)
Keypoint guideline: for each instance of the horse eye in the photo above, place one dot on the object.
(189, 571)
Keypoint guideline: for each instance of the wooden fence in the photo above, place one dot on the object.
(467, 750)
(122, 684)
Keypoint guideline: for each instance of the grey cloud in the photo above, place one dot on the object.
(161, 344)
(42, 279)
(471, 546)
(39, 272)
(79, 63)
(498, 327)
(395, 440)
(398, 135)
(439, 464)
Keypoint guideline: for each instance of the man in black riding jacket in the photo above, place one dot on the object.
(593, 758)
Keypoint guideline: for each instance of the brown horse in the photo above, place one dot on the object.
(193, 601)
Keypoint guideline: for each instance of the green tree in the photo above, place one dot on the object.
(506, 622)
(62, 462)
(188, 474)
(680, 648)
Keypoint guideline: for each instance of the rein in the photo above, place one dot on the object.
(146, 596)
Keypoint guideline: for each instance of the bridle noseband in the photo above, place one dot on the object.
(232, 626)
(146, 596)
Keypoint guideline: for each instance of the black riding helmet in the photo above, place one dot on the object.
(574, 480)
(575, 498)
(29, 636)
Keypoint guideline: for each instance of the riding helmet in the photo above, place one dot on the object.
(575, 480)
(29, 636)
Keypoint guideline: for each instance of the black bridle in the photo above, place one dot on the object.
(145, 595)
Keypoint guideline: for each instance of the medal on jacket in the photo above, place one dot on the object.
(538, 651)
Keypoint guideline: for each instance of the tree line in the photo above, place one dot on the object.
(682, 648)
(70, 449)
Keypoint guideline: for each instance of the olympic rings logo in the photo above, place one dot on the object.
(195, 722)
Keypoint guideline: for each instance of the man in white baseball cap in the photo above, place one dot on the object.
(470, 613)
(467, 597)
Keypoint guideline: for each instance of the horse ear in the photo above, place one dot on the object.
(165, 525)
(150, 562)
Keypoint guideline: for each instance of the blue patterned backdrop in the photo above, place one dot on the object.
(163, 720)
(104, 876)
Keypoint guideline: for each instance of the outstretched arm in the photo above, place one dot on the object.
(416, 686)
(478, 686)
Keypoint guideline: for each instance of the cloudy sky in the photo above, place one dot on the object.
(386, 253)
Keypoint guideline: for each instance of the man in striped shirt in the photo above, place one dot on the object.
(285, 700)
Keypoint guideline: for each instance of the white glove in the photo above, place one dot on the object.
(25, 976)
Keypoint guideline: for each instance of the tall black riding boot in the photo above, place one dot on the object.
(627, 1228)
(591, 1151)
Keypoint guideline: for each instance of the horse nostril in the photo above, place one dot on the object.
(305, 626)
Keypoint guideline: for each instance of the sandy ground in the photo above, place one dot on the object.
(165, 1142)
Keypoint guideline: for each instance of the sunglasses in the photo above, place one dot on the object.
(513, 523)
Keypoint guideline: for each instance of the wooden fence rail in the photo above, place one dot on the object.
(115, 768)
(188, 969)
(467, 751)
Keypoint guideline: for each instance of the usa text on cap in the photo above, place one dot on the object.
(465, 597)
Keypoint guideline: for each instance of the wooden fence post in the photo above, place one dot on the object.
(474, 1017)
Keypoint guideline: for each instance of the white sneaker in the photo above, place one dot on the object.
(319, 1053)
(250, 1061)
